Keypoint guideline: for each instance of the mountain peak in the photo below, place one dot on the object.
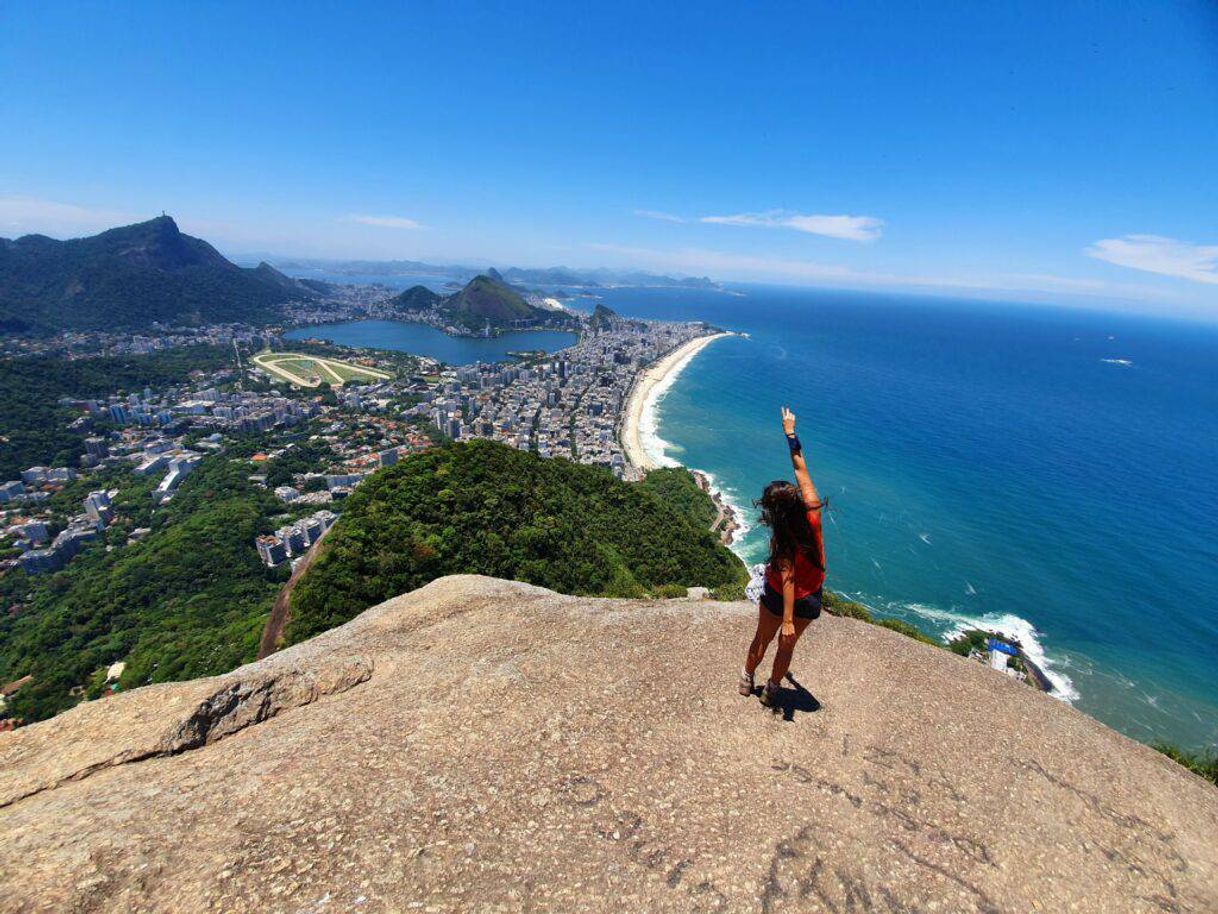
(486, 300)
(128, 277)
(603, 316)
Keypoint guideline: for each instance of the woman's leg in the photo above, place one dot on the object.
(767, 625)
(786, 647)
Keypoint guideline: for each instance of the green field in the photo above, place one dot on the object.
(310, 371)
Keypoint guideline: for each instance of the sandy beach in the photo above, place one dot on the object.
(647, 385)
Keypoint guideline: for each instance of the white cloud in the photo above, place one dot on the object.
(397, 222)
(1156, 254)
(728, 264)
(749, 267)
(660, 216)
(850, 228)
(24, 215)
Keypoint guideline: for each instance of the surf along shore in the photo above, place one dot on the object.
(637, 430)
(648, 385)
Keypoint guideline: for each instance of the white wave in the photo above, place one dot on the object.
(729, 499)
(655, 447)
(1124, 363)
(661, 451)
(1008, 625)
(925, 537)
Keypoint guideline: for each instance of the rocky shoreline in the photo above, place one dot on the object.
(728, 522)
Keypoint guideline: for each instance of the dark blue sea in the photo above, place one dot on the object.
(1052, 474)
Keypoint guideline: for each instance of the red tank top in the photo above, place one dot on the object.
(808, 578)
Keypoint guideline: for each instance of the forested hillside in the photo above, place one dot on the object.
(189, 600)
(192, 597)
(485, 508)
(486, 300)
(128, 277)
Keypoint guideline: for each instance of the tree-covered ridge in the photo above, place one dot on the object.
(188, 600)
(485, 300)
(485, 508)
(417, 298)
(128, 277)
(676, 485)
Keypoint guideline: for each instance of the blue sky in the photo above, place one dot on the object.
(1044, 151)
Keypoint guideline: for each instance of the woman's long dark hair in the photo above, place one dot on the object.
(784, 512)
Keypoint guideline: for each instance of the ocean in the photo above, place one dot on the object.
(1048, 473)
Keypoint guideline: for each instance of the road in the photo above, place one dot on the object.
(272, 634)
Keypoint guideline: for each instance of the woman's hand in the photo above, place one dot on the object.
(788, 628)
(788, 421)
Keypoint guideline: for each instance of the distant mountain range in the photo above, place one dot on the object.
(547, 279)
(485, 300)
(129, 277)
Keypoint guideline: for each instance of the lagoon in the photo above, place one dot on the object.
(421, 339)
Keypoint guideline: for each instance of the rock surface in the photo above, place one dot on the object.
(480, 745)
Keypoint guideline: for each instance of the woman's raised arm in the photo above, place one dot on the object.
(806, 490)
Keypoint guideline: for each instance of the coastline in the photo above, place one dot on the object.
(730, 523)
(637, 431)
(647, 387)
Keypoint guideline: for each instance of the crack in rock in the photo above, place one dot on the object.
(237, 704)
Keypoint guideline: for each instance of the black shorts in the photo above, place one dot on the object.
(805, 608)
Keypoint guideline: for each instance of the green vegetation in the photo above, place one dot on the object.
(837, 605)
(676, 485)
(968, 641)
(1204, 763)
(485, 300)
(489, 509)
(129, 277)
(910, 631)
(401, 364)
(35, 429)
(309, 370)
(189, 600)
(304, 457)
(417, 298)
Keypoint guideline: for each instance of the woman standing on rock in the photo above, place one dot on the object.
(795, 572)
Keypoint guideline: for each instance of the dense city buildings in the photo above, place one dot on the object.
(565, 404)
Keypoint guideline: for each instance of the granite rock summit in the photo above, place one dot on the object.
(482, 745)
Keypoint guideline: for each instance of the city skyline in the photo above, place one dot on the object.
(980, 153)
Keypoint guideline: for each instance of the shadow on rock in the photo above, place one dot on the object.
(796, 698)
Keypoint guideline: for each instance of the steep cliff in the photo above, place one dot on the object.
(485, 745)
